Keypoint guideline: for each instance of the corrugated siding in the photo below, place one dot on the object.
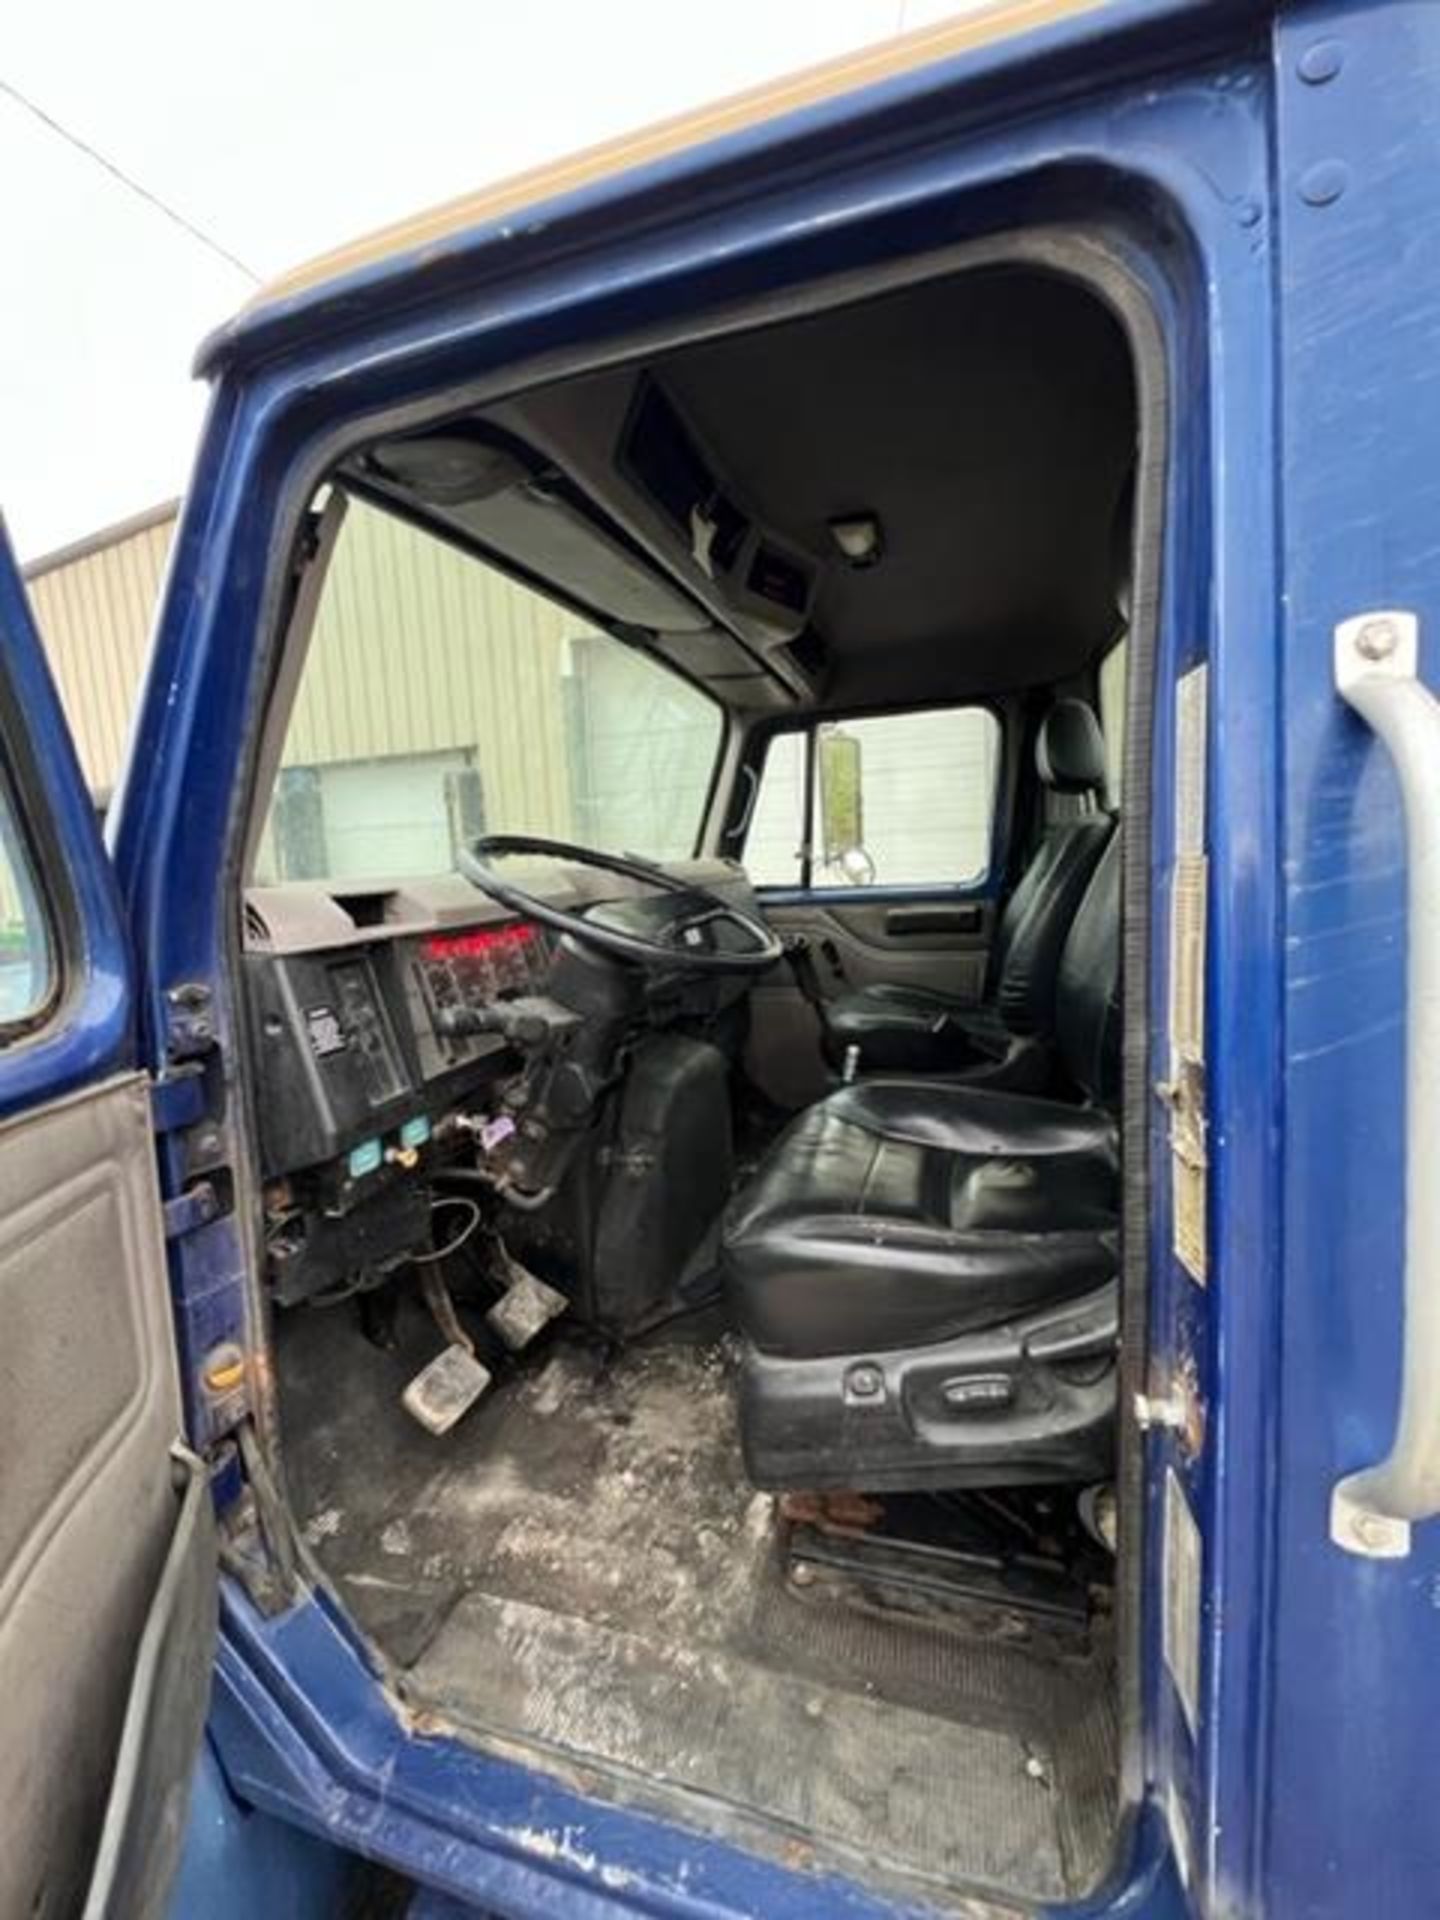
(95, 613)
(640, 752)
(395, 668)
(419, 651)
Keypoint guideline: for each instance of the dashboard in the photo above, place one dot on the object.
(369, 1071)
(358, 1095)
(472, 968)
(350, 1060)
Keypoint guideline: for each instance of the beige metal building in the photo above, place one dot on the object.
(95, 602)
(440, 699)
(402, 721)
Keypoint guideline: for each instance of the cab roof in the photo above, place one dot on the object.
(846, 74)
(288, 304)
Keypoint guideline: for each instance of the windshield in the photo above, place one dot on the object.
(440, 699)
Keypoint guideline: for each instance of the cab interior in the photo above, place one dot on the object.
(682, 961)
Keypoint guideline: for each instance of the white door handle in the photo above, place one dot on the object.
(1376, 671)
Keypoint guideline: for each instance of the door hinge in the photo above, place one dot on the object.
(196, 1207)
(177, 1097)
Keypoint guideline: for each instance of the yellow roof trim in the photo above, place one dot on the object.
(925, 46)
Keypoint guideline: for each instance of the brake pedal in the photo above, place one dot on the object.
(527, 1306)
(445, 1389)
(442, 1309)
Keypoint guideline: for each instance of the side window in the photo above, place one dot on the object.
(1112, 719)
(899, 800)
(27, 951)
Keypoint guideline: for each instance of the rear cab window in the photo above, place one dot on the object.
(885, 800)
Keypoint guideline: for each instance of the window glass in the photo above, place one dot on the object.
(777, 824)
(27, 953)
(901, 799)
(440, 700)
(1112, 719)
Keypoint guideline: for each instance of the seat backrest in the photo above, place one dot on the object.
(1088, 1006)
(1070, 759)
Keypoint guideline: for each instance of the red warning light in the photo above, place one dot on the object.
(488, 942)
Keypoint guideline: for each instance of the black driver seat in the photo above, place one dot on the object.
(926, 1273)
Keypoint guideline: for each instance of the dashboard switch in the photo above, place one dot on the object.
(366, 1158)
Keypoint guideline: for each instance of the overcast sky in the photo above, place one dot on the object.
(279, 129)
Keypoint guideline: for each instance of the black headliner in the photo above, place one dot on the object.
(987, 417)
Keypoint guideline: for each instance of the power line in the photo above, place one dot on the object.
(127, 180)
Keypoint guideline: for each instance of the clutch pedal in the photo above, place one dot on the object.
(454, 1380)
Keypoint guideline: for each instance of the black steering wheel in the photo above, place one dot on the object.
(675, 937)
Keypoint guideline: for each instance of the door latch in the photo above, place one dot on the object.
(1178, 1410)
(189, 1020)
(1167, 1412)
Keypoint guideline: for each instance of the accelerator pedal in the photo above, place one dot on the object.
(445, 1389)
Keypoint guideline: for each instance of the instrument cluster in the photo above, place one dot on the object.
(472, 968)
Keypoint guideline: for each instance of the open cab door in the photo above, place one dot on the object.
(107, 1544)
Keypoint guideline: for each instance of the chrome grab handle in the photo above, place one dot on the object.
(1376, 671)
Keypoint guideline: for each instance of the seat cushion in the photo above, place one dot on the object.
(902, 1029)
(900, 1212)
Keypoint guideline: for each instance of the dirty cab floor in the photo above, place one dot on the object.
(579, 1571)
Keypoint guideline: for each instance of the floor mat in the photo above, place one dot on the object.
(579, 1568)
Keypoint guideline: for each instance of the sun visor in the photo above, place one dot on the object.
(491, 494)
(543, 532)
(737, 673)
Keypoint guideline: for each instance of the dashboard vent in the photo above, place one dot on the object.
(257, 930)
(365, 909)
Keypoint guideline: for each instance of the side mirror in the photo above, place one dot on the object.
(856, 866)
(842, 823)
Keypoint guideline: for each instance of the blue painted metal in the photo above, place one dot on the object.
(1143, 1883)
(92, 1034)
(1281, 226)
(307, 1736)
(177, 1099)
(428, 1905)
(1088, 48)
(306, 1733)
(238, 1862)
(187, 1212)
(1354, 1679)
(1180, 172)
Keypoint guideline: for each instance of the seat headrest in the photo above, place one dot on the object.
(1070, 749)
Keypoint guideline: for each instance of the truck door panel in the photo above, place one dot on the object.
(107, 1549)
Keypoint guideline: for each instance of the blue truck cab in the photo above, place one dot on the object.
(724, 1201)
